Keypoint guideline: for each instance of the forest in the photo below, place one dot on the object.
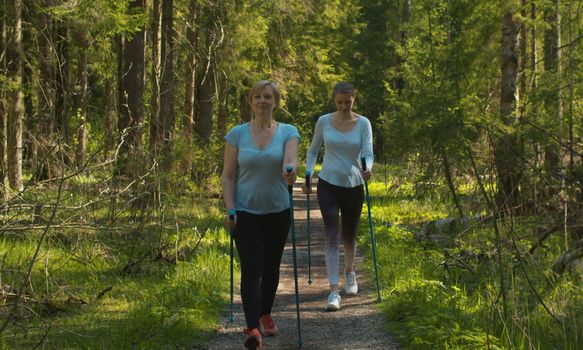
(112, 118)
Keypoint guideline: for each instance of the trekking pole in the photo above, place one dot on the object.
(374, 250)
(289, 169)
(309, 186)
(232, 214)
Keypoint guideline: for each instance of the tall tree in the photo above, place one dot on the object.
(45, 95)
(63, 88)
(374, 55)
(3, 107)
(110, 113)
(131, 117)
(506, 148)
(81, 96)
(167, 91)
(223, 108)
(190, 80)
(155, 120)
(15, 108)
(552, 101)
(207, 77)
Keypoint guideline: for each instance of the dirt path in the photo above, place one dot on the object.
(357, 325)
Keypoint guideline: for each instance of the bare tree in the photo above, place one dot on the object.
(45, 96)
(167, 94)
(553, 103)
(81, 96)
(506, 148)
(223, 110)
(131, 117)
(190, 81)
(63, 89)
(3, 111)
(155, 122)
(15, 109)
(207, 92)
(109, 117)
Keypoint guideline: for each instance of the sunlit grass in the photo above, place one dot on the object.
(170, 296)
(448, 296)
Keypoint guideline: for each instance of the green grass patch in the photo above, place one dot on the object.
(447, 293)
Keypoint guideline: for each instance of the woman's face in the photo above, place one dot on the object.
(263, 100)
(343, 102)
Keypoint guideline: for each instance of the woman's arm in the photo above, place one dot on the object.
(366, 151)
(314, 149)
(229, 179)
(290, 157)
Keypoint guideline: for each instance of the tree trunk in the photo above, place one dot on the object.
(190, 81)
(207, 86)
(223, 111)
(46, 97)
(506, 150)
(131, 116)
(155, 123)
(3, 112)
(207, 97)
(63, 89)
(15, 108)
(552, 102)
(81, 97)
(109, 118)
(29, 127)
(405, 17)
(521, 92)
(244, 108)
(167, 95)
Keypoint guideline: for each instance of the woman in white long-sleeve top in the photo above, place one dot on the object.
(347, 137)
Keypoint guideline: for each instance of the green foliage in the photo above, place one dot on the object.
(148, 286)
(446, 294)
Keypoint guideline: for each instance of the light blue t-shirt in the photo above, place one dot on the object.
(260, 187)
(342, 151)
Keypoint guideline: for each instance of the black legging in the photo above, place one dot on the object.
(333, 200)
(260, 242)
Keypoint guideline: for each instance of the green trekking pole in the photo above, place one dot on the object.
(232, 214)
(289, 169)
(374, 250)
(309, 186)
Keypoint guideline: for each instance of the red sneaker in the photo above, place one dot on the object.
(252, 339)
(267, 326)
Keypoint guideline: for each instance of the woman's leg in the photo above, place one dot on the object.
(328, 202)
(274, 232)
(351, 201)
(249, 246)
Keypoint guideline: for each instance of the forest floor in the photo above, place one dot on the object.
(358, 324)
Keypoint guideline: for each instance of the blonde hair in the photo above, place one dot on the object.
(262, 84)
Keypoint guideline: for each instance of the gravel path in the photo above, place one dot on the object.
(357, 325)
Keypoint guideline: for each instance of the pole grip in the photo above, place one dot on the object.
(232, 214)
(289, 169)
(363, 163)
(308, 180)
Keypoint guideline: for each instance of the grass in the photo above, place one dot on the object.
(152, 280)
(446, 294)
(158, 277)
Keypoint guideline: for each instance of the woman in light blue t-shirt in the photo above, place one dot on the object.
(255, 183)
(347, 137)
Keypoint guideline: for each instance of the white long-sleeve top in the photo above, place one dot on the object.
(342, 151)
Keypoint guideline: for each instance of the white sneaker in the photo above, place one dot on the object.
(350, 287)
(333, 301)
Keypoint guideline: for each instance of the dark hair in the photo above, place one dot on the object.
(344, 88)
(262, 84)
